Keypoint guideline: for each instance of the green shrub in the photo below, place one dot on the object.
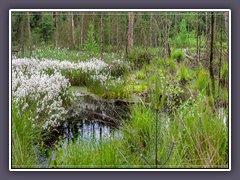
(178, 55)
(224, 72)
(139, 56)
(118, 68)
(184, 73)
(203, 82)
(90, 44)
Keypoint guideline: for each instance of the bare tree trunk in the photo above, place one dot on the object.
(57, 30)
(153, 30)
(220, 56)
(82, 22)
(102, 35)
(130, 29)
(167, 44)
(117, 35)
(22, 33)
(29, 35)
(226, 18)
(211, 53)
(206, 33)
(197, 38)
(109, 32)
(72, 31)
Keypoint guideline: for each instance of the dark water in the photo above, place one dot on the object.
(91, 118)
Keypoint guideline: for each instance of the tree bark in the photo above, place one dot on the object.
(102, 35)
(153, 30)
(82, 35)
(117, 35)
(57, 30)
(22, 33)
(72, 31)
(206, 32)
(226, 18)
(29, 34)
(197, 45)
(211, 53)
(130, 29)
(220, 56)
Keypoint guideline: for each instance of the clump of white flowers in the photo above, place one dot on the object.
(34, 87)
(42, 93)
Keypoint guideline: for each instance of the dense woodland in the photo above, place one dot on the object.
(170, 68)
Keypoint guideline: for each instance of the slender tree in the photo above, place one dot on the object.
(206, 24)
(220, 55)
(197, 38)
(72, 31)
(211, 53)
(29, 34)
(82, 27)
(153, 30)
(57, 30)
(102, 35)
(130, 29)
(22, 33)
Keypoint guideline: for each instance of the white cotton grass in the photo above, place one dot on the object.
(32, 85)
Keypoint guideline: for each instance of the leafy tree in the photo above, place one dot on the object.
(46, 26)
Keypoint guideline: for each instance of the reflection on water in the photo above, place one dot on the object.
(88, 130)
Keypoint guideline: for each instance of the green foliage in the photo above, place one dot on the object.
(46, 26)
(117, 68)
(169, 64)
(90, 44)
(178, 55)
(200, 135)
(182, 37)
(224, 72)
(203, 82)
(48, 52)
(184, 74)
(25, 134)
(139, 56)
(88, 154)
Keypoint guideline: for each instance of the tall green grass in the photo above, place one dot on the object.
(24, 139)
(194, 138)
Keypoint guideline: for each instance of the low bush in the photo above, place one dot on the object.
(178, 55)
(139, 56)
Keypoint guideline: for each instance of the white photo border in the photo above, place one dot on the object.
(120, 10)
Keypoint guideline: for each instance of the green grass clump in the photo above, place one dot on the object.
(201, 137)
(89, 154)
(178, 55)
(25, 134)
(203, 81)
(184, 74)
(139, 56)
(196, 137)
(224, 72)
